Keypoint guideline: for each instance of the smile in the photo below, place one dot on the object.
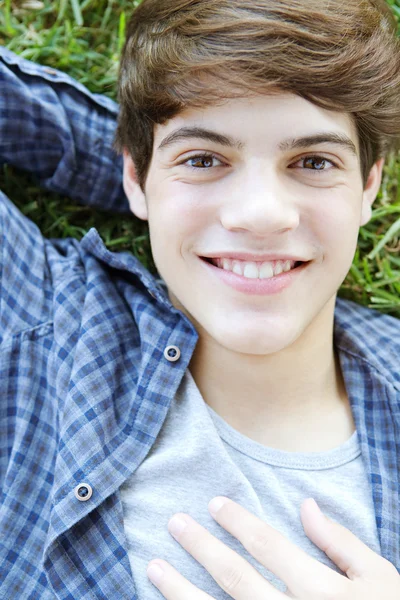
(254, 270)
(255, 278)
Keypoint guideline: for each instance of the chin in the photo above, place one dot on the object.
(253, 340)
(241, 332)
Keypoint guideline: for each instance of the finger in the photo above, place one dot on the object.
(349, 553)
(274, 551)
(232, 573)
(172, 584)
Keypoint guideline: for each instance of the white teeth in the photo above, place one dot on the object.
(253, 270)
(266, 271)
(250, 271)
(286, 266)
(237, 268)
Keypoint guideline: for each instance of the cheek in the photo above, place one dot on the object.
(337, 226)
(176, 217)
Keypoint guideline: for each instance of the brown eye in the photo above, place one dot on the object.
(316, 163)
(201, 162)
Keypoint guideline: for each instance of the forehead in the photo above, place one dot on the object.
(261, 121)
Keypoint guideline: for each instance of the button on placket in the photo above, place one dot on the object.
(83, 492)
(172, 353)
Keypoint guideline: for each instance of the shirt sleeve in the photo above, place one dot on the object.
(55, 128)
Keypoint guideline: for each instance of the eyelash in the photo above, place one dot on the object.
(211, 155)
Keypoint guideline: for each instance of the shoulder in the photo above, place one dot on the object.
(353, 316)
(371, 336)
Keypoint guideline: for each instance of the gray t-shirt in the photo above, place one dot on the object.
(198, 456)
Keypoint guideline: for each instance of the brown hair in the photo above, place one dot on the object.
(342, 55)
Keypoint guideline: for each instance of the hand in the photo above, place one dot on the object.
(369, 576)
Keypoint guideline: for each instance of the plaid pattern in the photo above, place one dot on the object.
(84, 384)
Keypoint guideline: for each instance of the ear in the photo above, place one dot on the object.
(135, 195)
(371, 190)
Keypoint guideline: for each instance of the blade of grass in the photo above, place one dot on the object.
(382, 283)
(121, 31)
(107, 14)
(76, 9)
(61, 10)
(7, 18)
(382, 296)
(392, 231)
(367, 273)
(86, 4)
(383, 212)
(357, 274)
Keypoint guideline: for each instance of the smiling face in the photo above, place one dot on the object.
(239, 192)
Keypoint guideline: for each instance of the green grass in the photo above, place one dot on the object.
(84, 39)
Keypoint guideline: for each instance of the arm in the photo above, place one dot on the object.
(54, 127)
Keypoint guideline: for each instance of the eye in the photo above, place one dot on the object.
(202, 161)
(316, 164)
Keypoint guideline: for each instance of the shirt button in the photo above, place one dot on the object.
(172, 353)
(83, 492)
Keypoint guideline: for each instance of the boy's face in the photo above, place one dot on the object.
(244, 184)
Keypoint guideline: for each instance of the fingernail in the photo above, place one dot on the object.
(316, 505)
(176, 526)
(319, 511)
(319, 514)
(215, 505)
(155, 572)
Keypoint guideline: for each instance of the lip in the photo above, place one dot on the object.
(249, 257)
(256, 287)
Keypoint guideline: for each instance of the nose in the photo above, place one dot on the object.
(259, 203)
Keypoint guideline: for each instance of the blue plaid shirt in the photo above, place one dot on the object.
(85, 385)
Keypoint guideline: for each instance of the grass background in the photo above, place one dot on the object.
(84, 39)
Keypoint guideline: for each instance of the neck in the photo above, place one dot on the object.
(294, 399)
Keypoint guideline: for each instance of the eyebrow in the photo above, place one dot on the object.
(338, 139)
(185, 133)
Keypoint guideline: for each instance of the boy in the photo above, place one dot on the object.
(254, 136)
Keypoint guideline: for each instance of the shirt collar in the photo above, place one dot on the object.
(124, 261)
(370, 337)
